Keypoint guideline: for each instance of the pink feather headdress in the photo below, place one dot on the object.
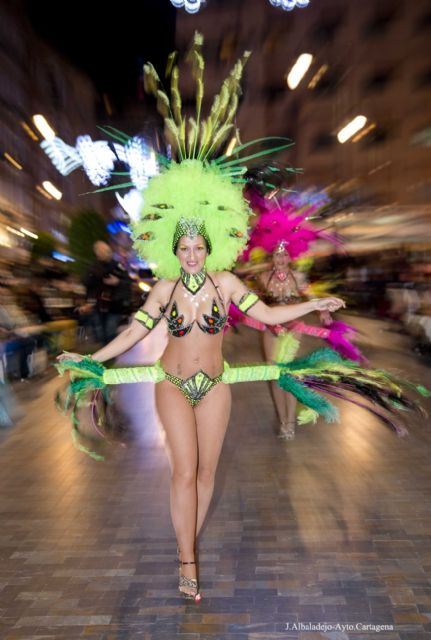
(283, 222)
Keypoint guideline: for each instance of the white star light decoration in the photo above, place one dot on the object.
(98, 159)
(193, 6)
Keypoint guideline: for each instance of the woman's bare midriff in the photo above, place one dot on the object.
(185, 356)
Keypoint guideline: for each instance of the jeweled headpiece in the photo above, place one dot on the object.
(281, 247)
(190, 227)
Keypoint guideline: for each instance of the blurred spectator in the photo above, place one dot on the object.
(108, 293)
(15, 339)
(49, 269)
(33, 301)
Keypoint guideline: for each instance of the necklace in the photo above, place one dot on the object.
(279, 287)
(280, 275)
(193, 283)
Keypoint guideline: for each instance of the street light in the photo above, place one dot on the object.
(42, 125)
(28, 233)
(43, 192)
(53, 191)
(351, 128)
(317, 76)
(299, 70)
(15, 231)
(12, 161)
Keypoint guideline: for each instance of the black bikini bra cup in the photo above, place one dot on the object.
(215, 322)
(176, 325)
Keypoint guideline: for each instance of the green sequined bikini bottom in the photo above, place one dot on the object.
(196, 386)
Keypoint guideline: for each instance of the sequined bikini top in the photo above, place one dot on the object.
(212, 324)
(283, 296)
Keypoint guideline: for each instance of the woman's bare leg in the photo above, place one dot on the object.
(178, 419)
(279, 396)
(291, 403)
(212, 417)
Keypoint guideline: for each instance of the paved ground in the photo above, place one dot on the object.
(332, 528)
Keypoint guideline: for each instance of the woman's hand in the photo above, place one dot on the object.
(325, 318)
(328, 304)
(69, 356)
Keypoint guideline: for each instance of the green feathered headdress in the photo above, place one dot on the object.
(191, 190)
(199, 184)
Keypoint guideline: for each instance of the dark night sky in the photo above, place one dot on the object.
(109, 42)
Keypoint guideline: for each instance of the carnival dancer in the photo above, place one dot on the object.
(282, 232)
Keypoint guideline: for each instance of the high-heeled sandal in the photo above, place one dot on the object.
(189, 583)
(287, 430)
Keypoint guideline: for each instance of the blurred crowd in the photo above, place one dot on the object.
(44, 308)
(393, 284)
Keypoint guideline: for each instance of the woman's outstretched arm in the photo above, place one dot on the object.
(250, 304)
(144, 321)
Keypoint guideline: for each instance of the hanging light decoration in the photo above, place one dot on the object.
(288, 5)
(193, 6)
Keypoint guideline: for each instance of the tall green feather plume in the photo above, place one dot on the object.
(195, 58)
(201, 138)
(214, 109)
(203, 134)
(218, 138)
(172, 135)
(151, 79)
(211, 132)
(199, 98)
(224, 108)
(191, 136)
(163, 104)
(176, 96)
(170, 63)
(182, 138)
(225, 95)
(232, 109)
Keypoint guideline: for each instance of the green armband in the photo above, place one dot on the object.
(144, 318)
(247, 301)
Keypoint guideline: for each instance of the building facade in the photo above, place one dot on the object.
(34, 79)
(369, 58)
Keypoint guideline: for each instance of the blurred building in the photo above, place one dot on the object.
(369, 58)
(34, 79)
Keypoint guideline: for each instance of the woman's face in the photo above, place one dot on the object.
(281, 260)
(192, 253)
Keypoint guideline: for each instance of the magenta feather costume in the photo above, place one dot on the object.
(284, 221)
(285, 218)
